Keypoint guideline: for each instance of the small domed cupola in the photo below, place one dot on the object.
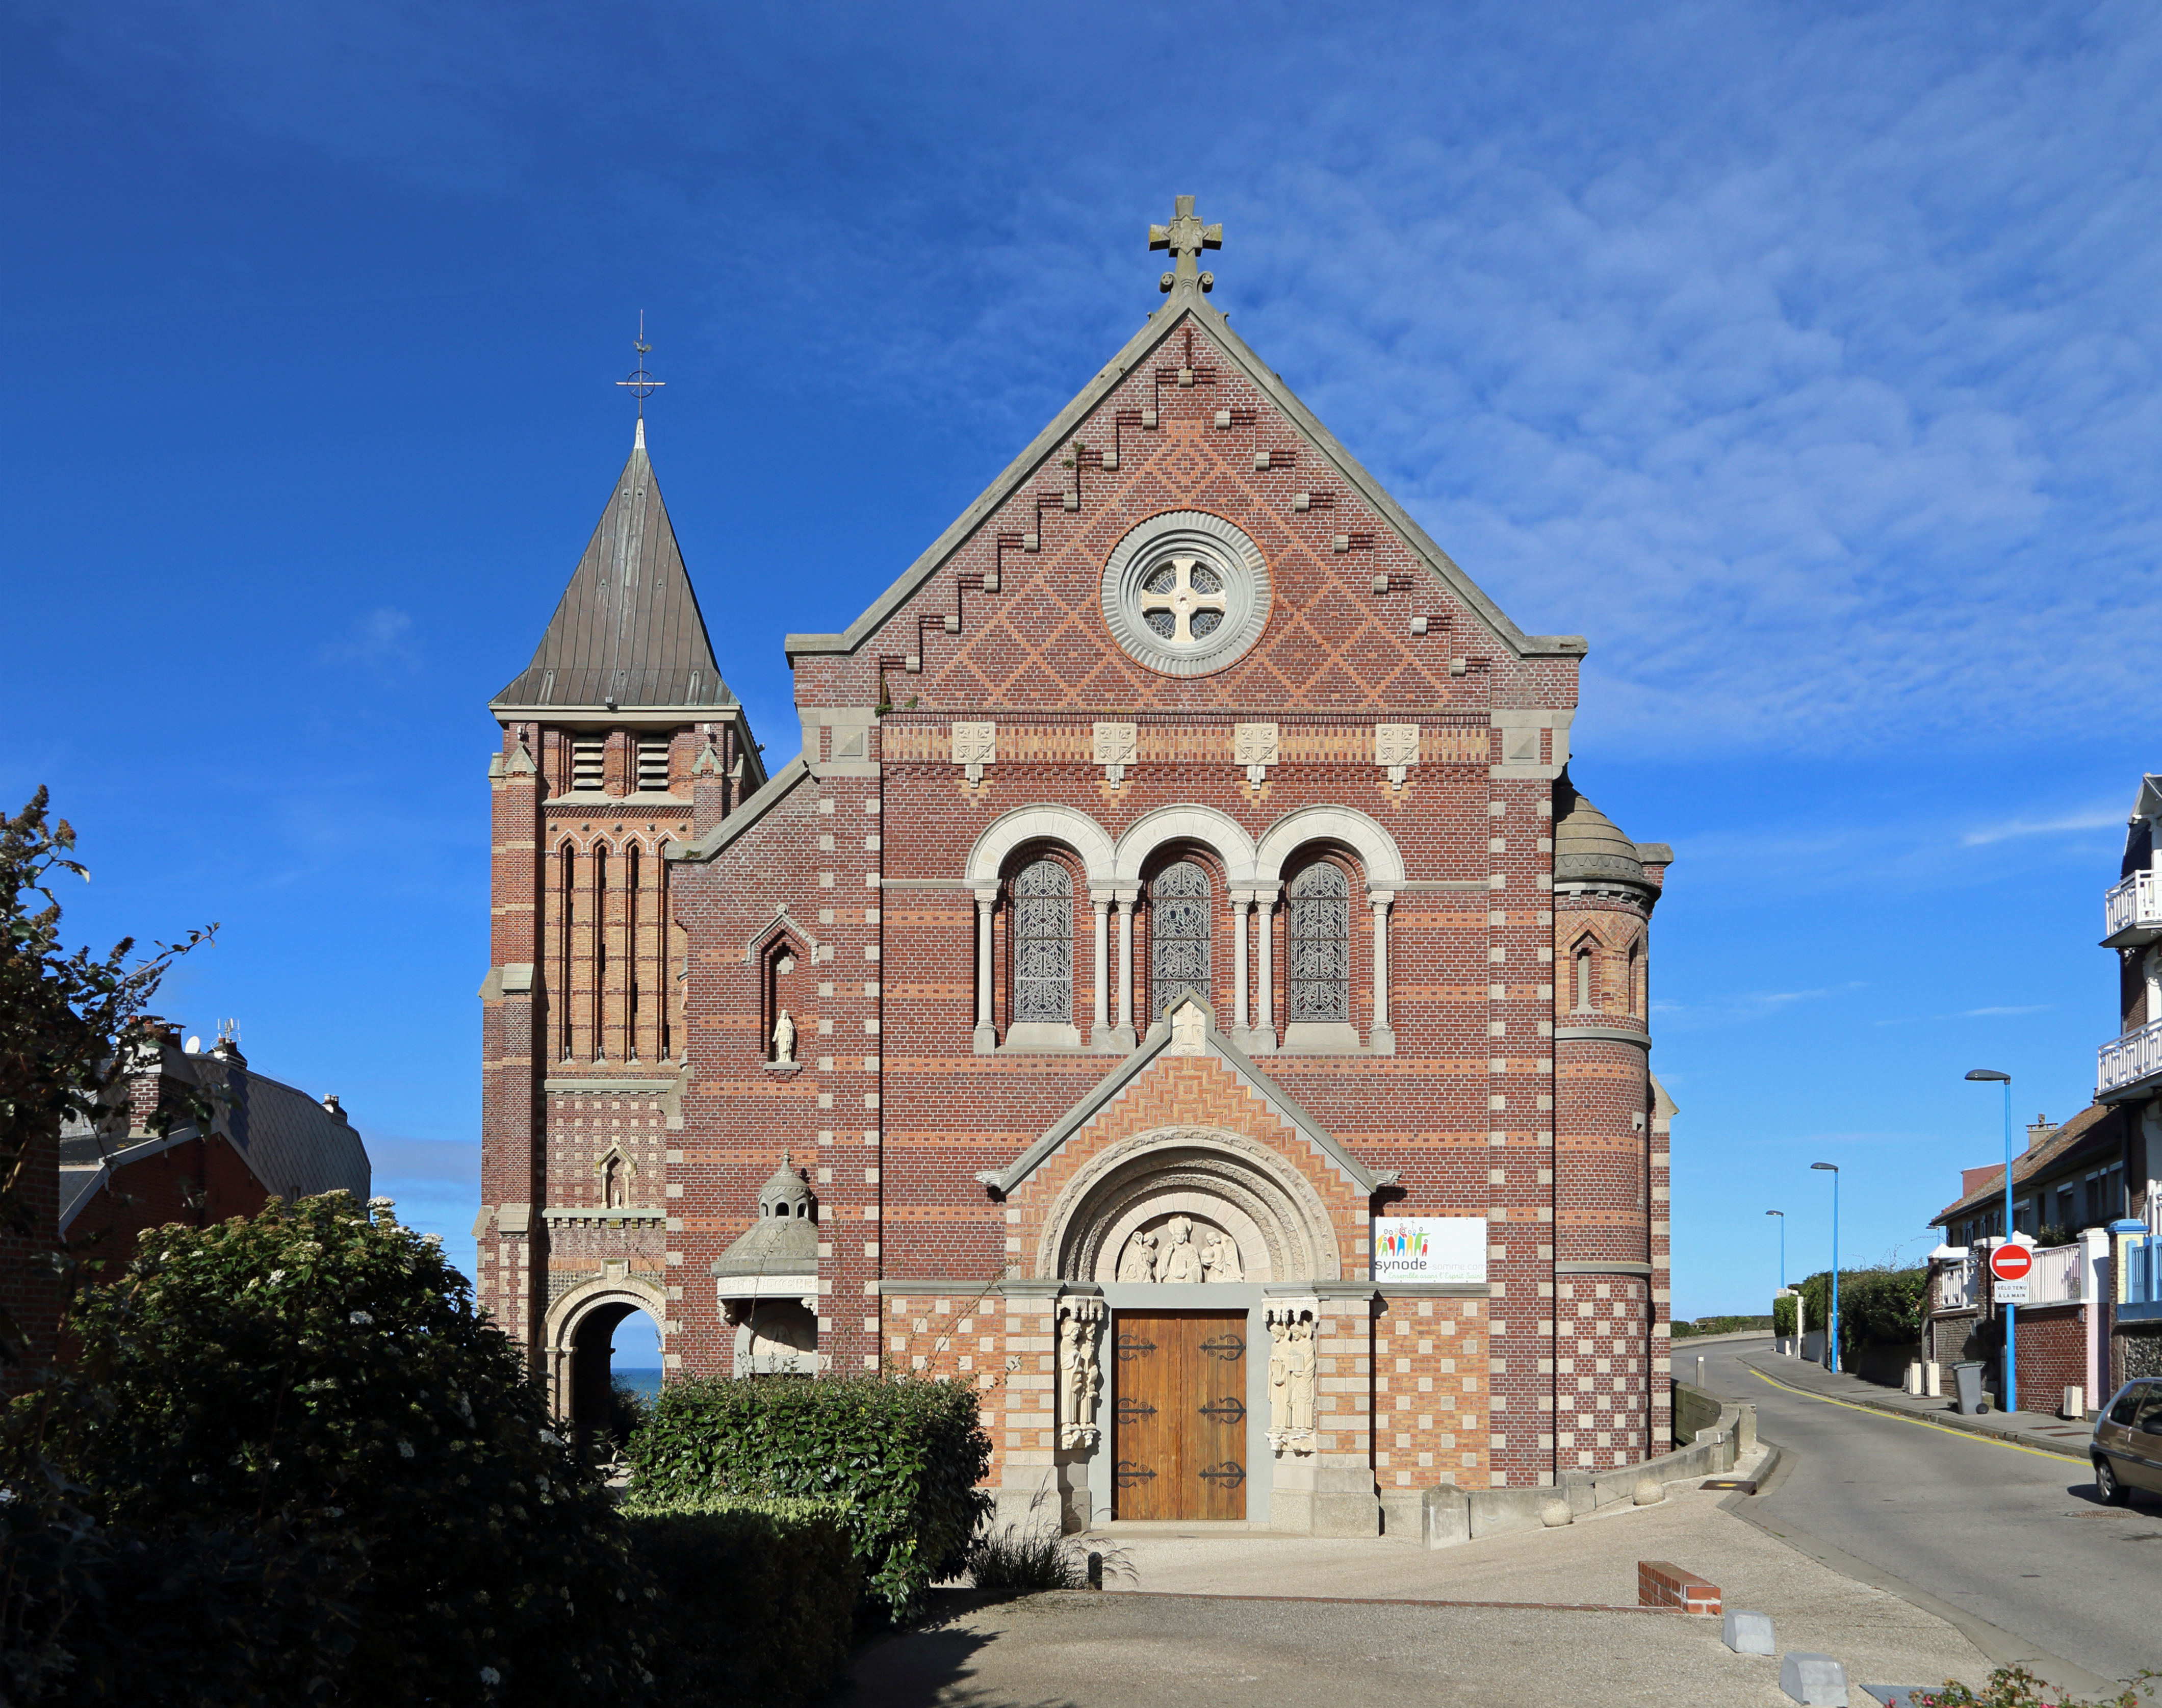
(786, 1194)
(1590, 850)
(784, 1240)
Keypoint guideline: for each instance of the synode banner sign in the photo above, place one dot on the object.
(1430, 1248)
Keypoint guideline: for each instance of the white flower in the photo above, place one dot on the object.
(488, 1675)
(363, 1318)
(404, 1450)
(431, 1238)
(277, 1276)
(551, 1438)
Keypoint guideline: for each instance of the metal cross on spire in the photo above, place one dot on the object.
(1186, 238)
(641, 385)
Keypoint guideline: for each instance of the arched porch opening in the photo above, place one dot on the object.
(582, 1331)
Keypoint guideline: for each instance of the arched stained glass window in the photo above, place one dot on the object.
(1320, 944)
(1179, 934)
(1043, 943)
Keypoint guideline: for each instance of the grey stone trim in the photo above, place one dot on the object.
(1003, 1181)
(1157, 330)
(1610, 1034)
(946, 1284)
(756, 807)
(1614, 1268)
(1434, 1289)
(618, 1215)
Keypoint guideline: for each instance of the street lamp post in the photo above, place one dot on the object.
(1782, 1215)
(1831, 1333)
(2011, 1312)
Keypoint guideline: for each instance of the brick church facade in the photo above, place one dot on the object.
(1180, 880)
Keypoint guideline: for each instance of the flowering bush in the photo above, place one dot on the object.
(2015, 1687)
(902, 1455)
(309, 1395)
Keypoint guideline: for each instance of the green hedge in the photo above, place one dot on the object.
(758, 1598)
(903, 1456)
(1783, 1318)
(1876, 1307)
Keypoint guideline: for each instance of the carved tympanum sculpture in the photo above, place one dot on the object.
(1181, 1261)
(1220, 1259)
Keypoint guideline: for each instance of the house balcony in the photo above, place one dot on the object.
(2132, 912)
(2131, 1066)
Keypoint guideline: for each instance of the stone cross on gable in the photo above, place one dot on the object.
(1186, 238)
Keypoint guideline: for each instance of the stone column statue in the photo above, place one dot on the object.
(1298, 1382)
(784, 1038)
(1292, 1365)
(1279, 1374)
(1080, 1378)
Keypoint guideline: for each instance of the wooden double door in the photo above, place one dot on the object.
(1178, 1414)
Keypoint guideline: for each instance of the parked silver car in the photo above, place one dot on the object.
(2128, 1443)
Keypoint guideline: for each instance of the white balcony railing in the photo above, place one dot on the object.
(2127, 1061)
(2131, 910)
(2057, 1277)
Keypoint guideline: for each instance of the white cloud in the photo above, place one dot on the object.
(381, 641)
(2100, 819)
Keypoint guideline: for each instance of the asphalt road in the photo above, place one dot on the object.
(2007, 1534)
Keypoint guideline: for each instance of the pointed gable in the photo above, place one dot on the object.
(1367, 611)
(628, 631)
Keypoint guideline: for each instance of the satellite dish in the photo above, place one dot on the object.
(194, 1047)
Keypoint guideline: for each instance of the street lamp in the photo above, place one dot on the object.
(1831, 1335)
(1782, 1215)
(2011, 1312)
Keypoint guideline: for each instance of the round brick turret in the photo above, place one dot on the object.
(1610, 1214)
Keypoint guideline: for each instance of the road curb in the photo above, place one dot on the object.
(1999, 1646)
(1951, 1421)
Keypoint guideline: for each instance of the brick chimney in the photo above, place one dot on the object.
(330, 1103)
(2038, 1130)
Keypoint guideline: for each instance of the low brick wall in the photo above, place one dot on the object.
(1660, 1583)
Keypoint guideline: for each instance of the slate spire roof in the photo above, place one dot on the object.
(628, 628)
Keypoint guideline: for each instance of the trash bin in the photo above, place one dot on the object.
(1967, 1378)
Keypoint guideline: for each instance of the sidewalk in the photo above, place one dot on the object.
(2023, 1428)
(1535, 1619)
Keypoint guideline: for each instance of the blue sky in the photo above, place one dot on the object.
(1802, 357)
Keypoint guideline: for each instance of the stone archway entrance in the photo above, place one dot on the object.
(580, 1332)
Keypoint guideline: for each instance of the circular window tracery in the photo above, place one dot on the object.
(1186, 593)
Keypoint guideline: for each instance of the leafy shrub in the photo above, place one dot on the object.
(306, 1403)
(758, 1597)
(1783, 1318)
(1876, 1307)
(903, 1456)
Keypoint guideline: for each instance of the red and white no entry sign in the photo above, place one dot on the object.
(2011, 1262)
